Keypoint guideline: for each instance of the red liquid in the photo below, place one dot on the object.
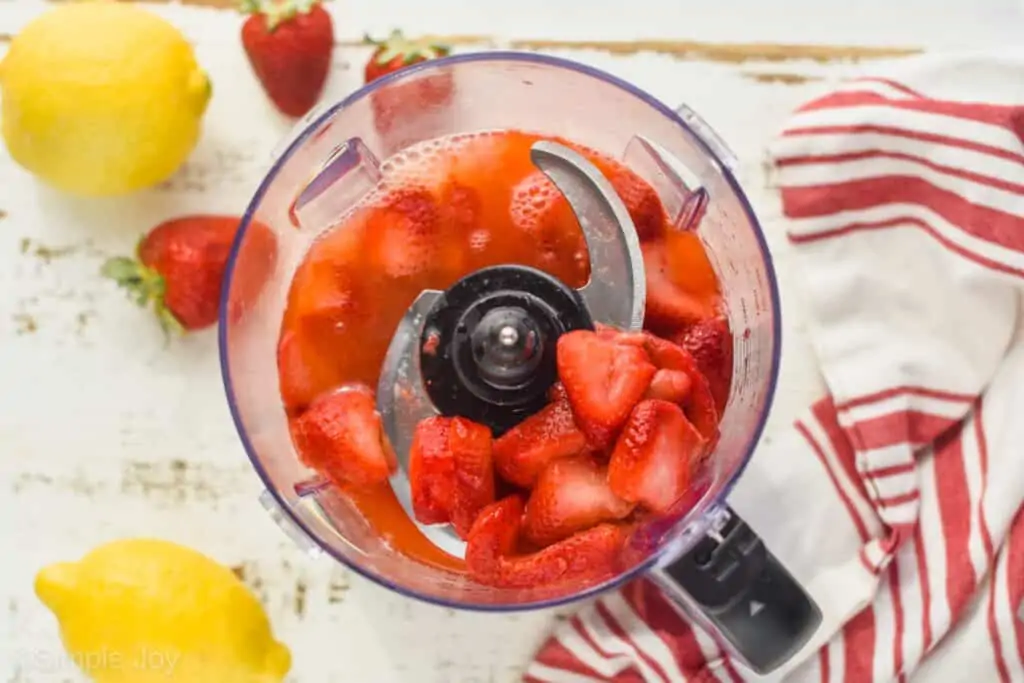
(446, 208)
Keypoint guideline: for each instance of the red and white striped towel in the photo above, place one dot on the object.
(896, 499)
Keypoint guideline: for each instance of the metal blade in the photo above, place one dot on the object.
(402, 402)
(617, 290)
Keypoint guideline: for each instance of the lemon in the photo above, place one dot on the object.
(141, 611)
(101, 98)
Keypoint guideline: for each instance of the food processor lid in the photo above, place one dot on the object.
(484, 349)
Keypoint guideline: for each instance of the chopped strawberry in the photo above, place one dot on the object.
(471, 446)
(329, 290)
(710, 343)
(340, 435)
(557, 393)
(603, 380)
(654, 457)
(523, 451)
(410, 235)
(461, 209)
(588, 556)
(405, 231)
(450, 471)
(670, 385)
(493, 538)
(540, 212)
(585, 558)
(668, 306)
(689, 265)
(432, 472)
(303, 373)
(616, 335)
(571, 495)
(700, 407)
(641, 201)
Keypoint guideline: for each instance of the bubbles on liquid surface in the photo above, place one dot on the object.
(532, 197)
(479, 239)
(425, 164)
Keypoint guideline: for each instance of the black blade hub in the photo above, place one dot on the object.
(487, 351)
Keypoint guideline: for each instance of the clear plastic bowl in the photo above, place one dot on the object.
(333, 160)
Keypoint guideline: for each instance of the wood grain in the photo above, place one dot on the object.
(779, 77)
(689, 50)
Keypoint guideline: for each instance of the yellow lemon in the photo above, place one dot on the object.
(101, 98)
(142, 611)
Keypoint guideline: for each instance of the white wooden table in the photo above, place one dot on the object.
(105, 433)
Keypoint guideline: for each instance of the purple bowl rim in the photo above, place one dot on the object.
(494, 56)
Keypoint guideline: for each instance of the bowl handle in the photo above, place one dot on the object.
(731, 584)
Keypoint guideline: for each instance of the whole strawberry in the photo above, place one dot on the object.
(179, 269)
(394, 53)
(289, 44)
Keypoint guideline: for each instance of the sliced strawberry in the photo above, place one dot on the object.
(340, 436)
(689, 265)
(405, 232)
(451, 471)
(471, 446)
(329, 304)
(668, 307)
(654, 457)
(523, 451)
(557, 393)
(571, 495)
(670, 385)
(493, 538)
(302, 373)
(616, 335)
(540, 212)
(603, 380)
(700, 407)
(586, 557)
(710, 343)
(432, 472)
(641, 201)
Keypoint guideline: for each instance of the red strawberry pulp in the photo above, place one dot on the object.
(553, 500)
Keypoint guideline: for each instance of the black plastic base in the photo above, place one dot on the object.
(487, 351)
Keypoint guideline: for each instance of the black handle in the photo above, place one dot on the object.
(731, 581)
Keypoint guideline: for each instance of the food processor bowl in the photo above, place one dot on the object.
(710, 561)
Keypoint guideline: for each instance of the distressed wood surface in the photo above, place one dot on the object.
(105, 432)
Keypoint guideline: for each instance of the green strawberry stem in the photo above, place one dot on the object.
(278, 11)
(144, 286)
(397, 45)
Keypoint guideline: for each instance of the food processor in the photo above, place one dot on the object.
(704, 556)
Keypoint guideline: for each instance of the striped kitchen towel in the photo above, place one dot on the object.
(896, 498)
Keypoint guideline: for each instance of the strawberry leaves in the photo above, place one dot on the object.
(144, 286)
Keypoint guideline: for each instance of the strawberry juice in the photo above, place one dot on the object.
(551, 501)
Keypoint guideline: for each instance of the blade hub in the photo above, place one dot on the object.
(488, 347)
